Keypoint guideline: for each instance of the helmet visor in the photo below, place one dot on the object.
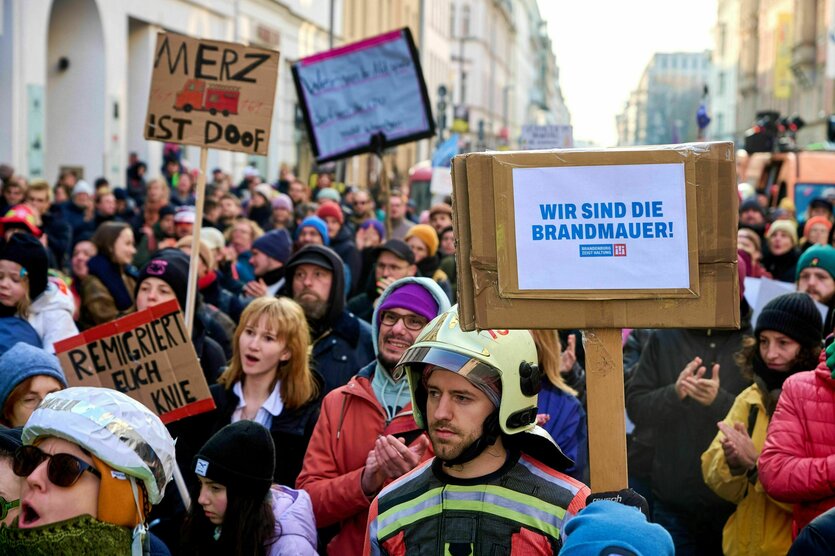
(474, 370)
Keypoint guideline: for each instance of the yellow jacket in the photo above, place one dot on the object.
(760, 525)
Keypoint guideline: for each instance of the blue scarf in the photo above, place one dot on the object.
(111, 276)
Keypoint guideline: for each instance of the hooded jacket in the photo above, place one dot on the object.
(350, 421)
(295, 528)
(797, 464)
(51, 314)
(342, 343)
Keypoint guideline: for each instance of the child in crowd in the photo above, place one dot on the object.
(236, 511)
(25, 291)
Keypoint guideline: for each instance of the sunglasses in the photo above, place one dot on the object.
(6, 506)
(63, 470)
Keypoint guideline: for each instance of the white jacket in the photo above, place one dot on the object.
(51, 315)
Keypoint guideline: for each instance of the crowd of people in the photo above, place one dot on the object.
(353, 415)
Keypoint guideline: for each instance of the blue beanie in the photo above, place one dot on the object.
(604, 527)
(24, 361)
(275, 244)
(377, 225)
(315, 222)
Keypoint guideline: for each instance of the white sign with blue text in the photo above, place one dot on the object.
(601, 227)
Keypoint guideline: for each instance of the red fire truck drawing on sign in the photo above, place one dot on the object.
(211, 98)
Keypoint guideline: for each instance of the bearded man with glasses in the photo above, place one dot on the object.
(366, 435)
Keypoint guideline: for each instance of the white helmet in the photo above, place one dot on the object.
(115, 428)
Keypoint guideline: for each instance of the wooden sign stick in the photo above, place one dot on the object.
(606, 407)
(199, 195)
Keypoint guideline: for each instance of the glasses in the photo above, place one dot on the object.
(5, 506)
(63, 470)
(412, 322)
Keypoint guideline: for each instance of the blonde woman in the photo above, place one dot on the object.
(560, 412)
(269, 380)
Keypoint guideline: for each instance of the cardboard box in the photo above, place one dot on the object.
(484, 223)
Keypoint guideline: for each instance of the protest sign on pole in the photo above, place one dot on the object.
(210, 94)
(598, 240)
(147, 355)
(364, 97)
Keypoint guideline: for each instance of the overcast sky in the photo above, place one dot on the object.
(603, 46)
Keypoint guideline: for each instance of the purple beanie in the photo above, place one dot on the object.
(377, 225)
(412, 297)
(282, 200)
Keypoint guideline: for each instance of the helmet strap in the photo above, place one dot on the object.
(490, 434)
(140, 532)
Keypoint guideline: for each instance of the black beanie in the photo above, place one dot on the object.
(240, 456)
(795, 315)
(170, 266)
(29, 253)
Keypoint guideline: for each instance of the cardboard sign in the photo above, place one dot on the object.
(352, 93)
(147, 355)
(601, 227)
(485, 214)
(546, 137)
(211, 94)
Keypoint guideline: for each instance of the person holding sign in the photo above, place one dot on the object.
(475, 394)
(787, 340)
(236, 510)
(93, 461)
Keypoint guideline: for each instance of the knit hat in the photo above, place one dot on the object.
(376, 224)
(241, 457)
(329, 208)
(819, 256)
(440, 208)
(607, 527)
(276, 244)
(24, 361)
(282, 200)
(328, 194)
(264, 190)
(318, 224)
(21, 216)
(170, 266)
(795, 315)
(787, 226)
(82, 186)
(816, 220)
(427, 235)
(167, 210)
(185, 215)
(212, 237)
(205, 253)
(412, 297)
(398, 248)
(751, 203)
(29, 253)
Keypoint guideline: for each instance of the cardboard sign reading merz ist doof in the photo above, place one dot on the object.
(355, 92)
(147, 355)
(211, 94)
(621, 238)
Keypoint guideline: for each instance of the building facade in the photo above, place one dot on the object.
(662, 109)
(724, 77)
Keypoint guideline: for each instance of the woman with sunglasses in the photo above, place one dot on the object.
(27, 375)
(93, 461)
(235, 510)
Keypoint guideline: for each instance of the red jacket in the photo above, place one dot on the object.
(348, 426)
(797, 464)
